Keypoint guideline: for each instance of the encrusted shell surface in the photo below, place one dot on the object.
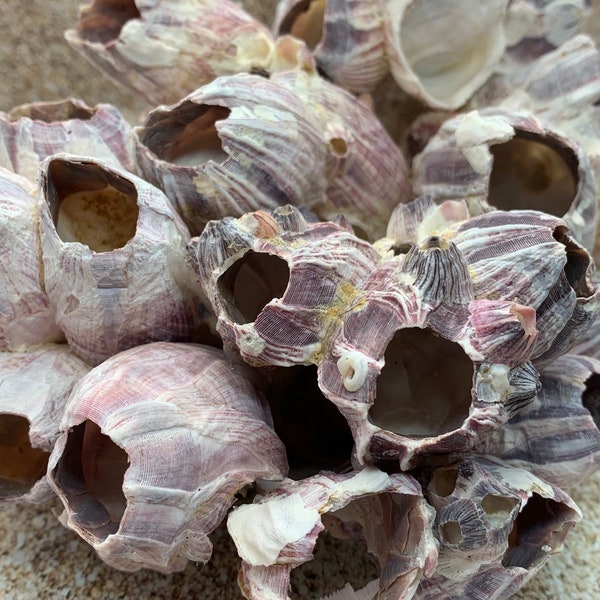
(239, 144)
(496, 525)
(502, 160)
(155, 443)
(31, 132)
(34, 388)
(345, 36)
(165, 49)
(26, 315)
(278, 531)
(114, 264)
(441, 51)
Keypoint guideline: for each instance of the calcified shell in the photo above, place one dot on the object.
(278, 531)
(441, 51)
(113, 251)
(32, 132)
(496, 517)
(277, 282)
(556, 437)
(510, 161)
(164, 49)
(156, 442)
(34, 388)
(360, 156)
(346, 38)
(419, 367)
(239, 144)
(26, 316)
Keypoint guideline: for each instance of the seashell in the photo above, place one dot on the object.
(441, 51)
(276, 282)
(510, 161)
(165, 49)
(493, 519)
(155, 444)
(106, 234)
(239, 144)
(26, 316)
(34, 388)
(557, 436)
(346, 38)
(415, 331)
(31, 132)
(360, 155)
(278, 531)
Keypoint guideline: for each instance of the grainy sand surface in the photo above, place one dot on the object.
(39, 559)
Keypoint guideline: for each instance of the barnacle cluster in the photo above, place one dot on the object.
(261, 305)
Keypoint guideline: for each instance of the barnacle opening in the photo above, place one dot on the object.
(315, 434)
(424, 388)
(188, 135)
(443, 482)
(103, 20)
(90, 475)
(532, 172)
(251, 282)
(50, 112)
(306, 21)
(591, 397)
(21, 465)
(91, 205)
(578, 262)
(498, 509)
(538, 530)
(451, 533)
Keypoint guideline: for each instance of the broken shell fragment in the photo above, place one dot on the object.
(164, 50)
(155, 444)
(239, 144)
(495, 159)
(354, 59)
(492, 518)
(441, 51)
(106, 234)
(276, 281)
(34, 388)
(557, 436)
(26, 315)
(32, 132)
(278, 531)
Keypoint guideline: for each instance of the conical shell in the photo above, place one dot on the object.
(113, 251)
(346, 38)
(34, 388)
(32, 132)
(239, 144)
(278, 531)
(441, 51)
(26, 315)
(155, 444)
(165, 49)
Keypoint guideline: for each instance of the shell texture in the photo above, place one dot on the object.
(184, 430)
(441, 51)
(32, 132)
(105, 236)
(165, 49)
(26, 315)
(34, 388)
(278, 531)
(346, 38)
(496, 526)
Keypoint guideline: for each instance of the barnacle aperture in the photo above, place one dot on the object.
(591, 397)
(533, 172)
(90, 475)
(21, 465)
(91, 206)
(50, 112)
(424, 388)
(103, 20)
(305, 21)
(251, 282)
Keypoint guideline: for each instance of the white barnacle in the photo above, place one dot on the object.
(353, 368)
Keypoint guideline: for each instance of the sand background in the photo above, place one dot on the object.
(39, 559)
